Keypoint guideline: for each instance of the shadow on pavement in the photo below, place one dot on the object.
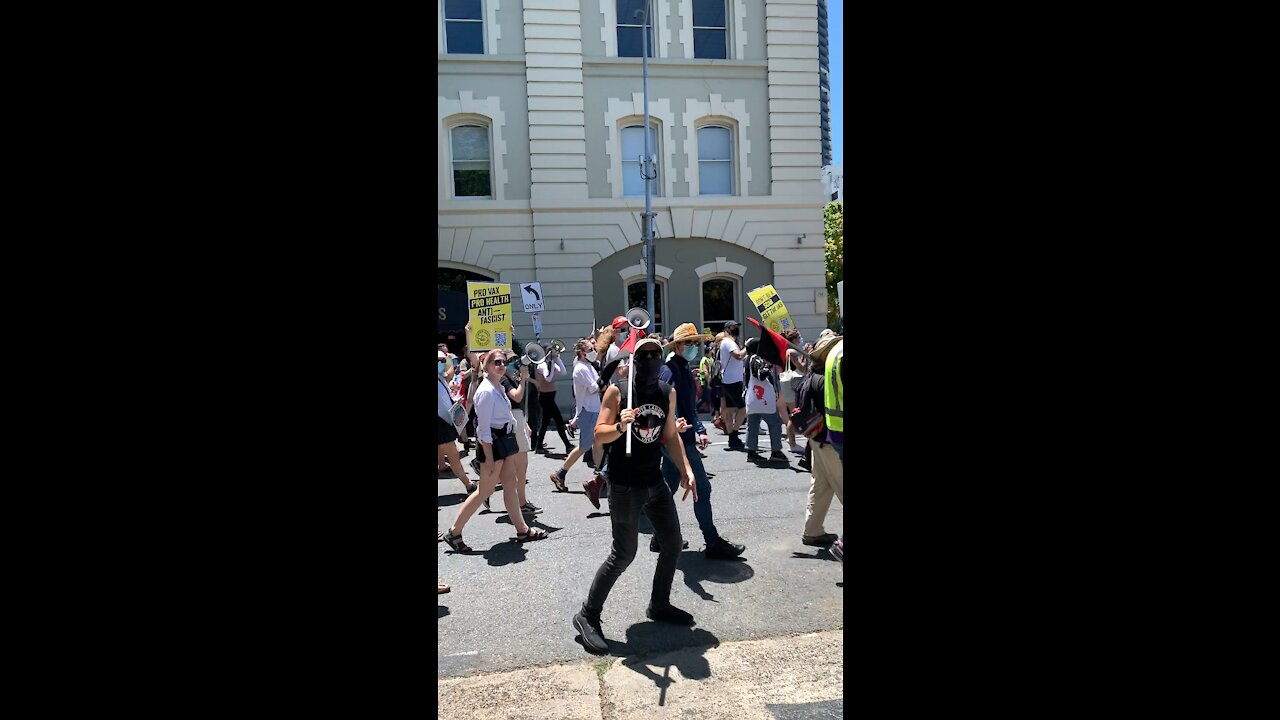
(505, 553)
(452, 499)
(650, 638)
(598, 514)
(822, 554)
(441, 611)
(697, 569)
(808, 711)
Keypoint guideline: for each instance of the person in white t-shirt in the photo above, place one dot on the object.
(733, 408)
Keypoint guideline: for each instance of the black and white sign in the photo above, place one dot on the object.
(532, 294)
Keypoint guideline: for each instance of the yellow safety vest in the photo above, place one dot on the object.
(833, 394)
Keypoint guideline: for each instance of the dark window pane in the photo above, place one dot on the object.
(466, 38)
(631, 42)
(717, 300)
(708, 13)
(630, 12)
(470, 183)
(637, 296)
(710, 44)
(462, 9)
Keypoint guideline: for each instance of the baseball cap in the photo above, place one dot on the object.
(730, 325)
(620, 321)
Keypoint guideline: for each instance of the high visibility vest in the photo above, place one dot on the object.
(833, 394)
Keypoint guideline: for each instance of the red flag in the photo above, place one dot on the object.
(773, 347)
(635, 337)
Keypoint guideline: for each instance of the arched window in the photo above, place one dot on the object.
(632, 151)
(637, 296)
(719, 302)
(471, 157)
(715, 160)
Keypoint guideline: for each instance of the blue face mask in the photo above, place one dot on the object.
(691, 353)
(440, 367)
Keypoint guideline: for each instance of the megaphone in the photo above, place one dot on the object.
(638, 318)
(533, 354)
(557, 346)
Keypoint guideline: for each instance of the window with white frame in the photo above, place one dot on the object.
(471, 156)
(632, 151)
(633, 26)
(715, 160)
(710, 29)
(719, 302)
(463, 27)
(638, 296)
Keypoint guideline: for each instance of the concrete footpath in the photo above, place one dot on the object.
(783, 678)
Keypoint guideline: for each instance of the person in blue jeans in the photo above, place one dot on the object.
(684, 344)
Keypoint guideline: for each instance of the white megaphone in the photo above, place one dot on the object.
(533, 354)
(638, 318)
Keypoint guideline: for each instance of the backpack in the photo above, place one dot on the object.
(810, 419)
(715, 371)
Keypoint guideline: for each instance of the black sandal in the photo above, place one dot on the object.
(455, 542)
(533, 534)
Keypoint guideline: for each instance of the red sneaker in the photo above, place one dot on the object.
(592, 487)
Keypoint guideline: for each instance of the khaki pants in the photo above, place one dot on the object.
(828, 480)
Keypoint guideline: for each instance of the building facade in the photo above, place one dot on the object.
(540, 125)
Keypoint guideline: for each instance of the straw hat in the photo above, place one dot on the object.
(819, 353)
(686, 333)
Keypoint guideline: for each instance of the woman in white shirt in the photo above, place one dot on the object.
(495, 429)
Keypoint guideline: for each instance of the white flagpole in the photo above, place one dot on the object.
(631, 390)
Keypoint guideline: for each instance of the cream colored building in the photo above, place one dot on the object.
(539, 117)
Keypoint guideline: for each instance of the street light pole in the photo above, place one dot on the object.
(646, 225)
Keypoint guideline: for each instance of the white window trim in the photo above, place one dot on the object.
(735, 16)
(660, 111)
(733, 115)
(492, 33)
(464, 111)
(609, 33)
(638, 122)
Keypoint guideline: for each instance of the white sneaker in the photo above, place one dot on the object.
(797, 449)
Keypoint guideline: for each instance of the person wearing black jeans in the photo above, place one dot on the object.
(637, 486)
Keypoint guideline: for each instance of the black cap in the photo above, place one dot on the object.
(730, 325)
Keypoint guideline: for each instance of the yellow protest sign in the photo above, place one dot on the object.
(489, 310)
(772, 312)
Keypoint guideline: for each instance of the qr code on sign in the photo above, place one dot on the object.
(501, 340)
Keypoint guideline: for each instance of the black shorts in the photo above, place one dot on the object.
(504, 445)
(445, 432)
(733, 395)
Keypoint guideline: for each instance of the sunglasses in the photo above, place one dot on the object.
(498, 362)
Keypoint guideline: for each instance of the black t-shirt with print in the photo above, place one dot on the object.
(644, 467)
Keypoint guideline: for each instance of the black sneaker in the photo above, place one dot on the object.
(654, 547)
(592, 635)
(669, 614)
(777, 456)
(723, 550)
(754, 456)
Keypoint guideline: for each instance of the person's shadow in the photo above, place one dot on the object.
(697, 569)
(505, 553)
(650, 638)
(451, 499)
(441, 611)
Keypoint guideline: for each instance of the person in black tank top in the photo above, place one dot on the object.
(637, 486)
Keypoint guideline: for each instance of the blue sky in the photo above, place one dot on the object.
(835, 44)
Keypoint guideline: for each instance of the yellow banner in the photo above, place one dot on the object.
(773, 313)
(489, 309)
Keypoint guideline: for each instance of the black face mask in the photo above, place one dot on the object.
(647, 369)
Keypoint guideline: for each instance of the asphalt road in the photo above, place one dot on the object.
(511, 604)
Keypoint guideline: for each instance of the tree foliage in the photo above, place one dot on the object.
(833, 253)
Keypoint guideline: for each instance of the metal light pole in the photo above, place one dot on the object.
(646, 224)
